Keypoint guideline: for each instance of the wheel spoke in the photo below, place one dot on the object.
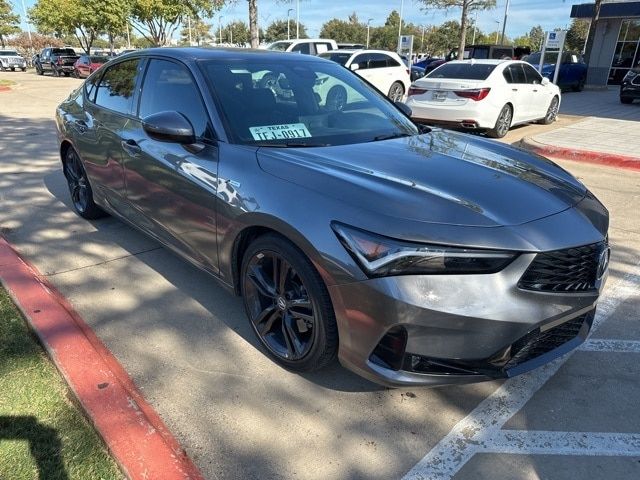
(283, 276)
(75, 193)
(257, 278)
(294, 347)
(265, 320)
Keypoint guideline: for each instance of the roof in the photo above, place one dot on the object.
(483, 61)
(351, 51)
(220, 53)
(607, 10)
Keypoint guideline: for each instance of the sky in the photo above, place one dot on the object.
(523, 14)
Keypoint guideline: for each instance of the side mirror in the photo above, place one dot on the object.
(354, 66)
(545, 81)
(404, 108)
(170, 127)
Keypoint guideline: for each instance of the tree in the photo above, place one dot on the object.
(577, 34)
(533, 39)
(23, 43)
(9, 21)
(239, 33)
(200, 32)
(67, 17)
(253, 23)
(351, 31)
(277, 30)
(467, 6)
(157, 20)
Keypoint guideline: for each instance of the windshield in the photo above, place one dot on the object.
(284, 103)
(279, 46)
(63, 51)
(8, 53)
(337, 57)
(468, 71)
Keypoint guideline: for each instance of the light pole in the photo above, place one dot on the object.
(288, 29)
(220, 28)
(189, 26)
(400, 25)
(504, 23)
(497, 29)
(475, 28)
(28, 26)
(297, 18)
(422, 40)
(368, 25)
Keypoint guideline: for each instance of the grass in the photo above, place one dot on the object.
(43, 434)
(6, 83)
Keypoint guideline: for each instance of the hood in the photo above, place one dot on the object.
(440, 177)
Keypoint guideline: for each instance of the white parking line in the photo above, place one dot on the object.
(486, 420)
(563, 443)
(614, 346)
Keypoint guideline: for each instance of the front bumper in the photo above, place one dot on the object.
(629, 90)
(458, 328)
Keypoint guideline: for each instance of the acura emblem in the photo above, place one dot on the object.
(603, 262)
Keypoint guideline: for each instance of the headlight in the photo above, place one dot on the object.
(631, 74)
(381, 256)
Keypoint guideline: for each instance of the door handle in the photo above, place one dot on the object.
(514, 89)
(131, 147)
(81, 126)
(535, 90)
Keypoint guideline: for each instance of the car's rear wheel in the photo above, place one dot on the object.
(79, 187)
(503, 123)
(396, 92)
(336, 98)
(288, 304)
(552, 112)
(626, 100)
(39, 70)
(578, 87)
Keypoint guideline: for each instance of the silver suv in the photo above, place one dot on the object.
(10, 60)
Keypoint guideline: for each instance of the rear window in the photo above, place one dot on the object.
(337, 57)
(279, 46)
(63, 51)
(468, 71)
(8, 53)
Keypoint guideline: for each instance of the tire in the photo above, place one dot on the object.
(55, 71)
(503, 123)
(75, 73)
(39, 70)
(336, 98)
(396, 92)
(552, 112)
(79, 187)
(626, 100)
(293, 320)
(13, 69)
(579, 86)
(23, 69)
(66, 74)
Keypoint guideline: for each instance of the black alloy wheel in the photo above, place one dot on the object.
(503, 123)
(79, 187)
(288, 304)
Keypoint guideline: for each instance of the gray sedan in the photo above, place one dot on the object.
(416, 256)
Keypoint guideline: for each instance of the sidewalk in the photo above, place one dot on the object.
(608, 132)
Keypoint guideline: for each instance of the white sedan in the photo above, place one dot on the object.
(489, 95)
(384, 70)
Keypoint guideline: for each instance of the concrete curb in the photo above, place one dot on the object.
(135, 435)
(585, 156)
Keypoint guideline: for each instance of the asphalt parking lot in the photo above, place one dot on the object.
(189, 348)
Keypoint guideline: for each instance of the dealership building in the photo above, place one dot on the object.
(616, 47)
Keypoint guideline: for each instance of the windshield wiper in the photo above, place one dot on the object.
(391, 136)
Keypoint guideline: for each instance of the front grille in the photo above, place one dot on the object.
(537, 343)
(570, 270)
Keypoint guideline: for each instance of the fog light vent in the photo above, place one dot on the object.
(390, 351)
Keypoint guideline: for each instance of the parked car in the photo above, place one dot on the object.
(384, 70)
(11, 60)
(630, 86)
(573, 70)
(87, 64)
(351, 46)
(308, 46)
(426, 61)
(488, 95)
(418, 257)
(58, 61)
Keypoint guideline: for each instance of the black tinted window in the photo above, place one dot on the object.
(531, 73)
(500, 53)
(90, 87)
(362, 61)
(507, 75)
(517, 73)
(391, 62)
(169, 86)
(63, 51)
(377, 60)
(302, 48)
(469, 71)
(117, 87)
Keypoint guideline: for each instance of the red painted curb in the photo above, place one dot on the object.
(4, 88)
(585, 156)
(133, 432)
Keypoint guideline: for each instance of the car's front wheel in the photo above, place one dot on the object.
(288, 304)
(503, 123)
(626, 100)
(396, 92)
(79, 187)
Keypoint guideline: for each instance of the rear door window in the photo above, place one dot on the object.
(377, 60)
(117, 87)
(302, 48)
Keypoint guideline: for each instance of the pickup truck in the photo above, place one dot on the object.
(308, 46)
(58, 61)
(10, 60)
(484, 52)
